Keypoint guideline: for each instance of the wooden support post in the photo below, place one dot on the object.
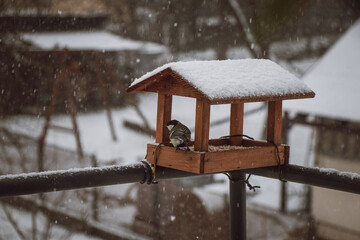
(101, 80)
(163, 117)
(71, 106)
(274, 122)
(202, 125)
(51, 108)
(236, 122)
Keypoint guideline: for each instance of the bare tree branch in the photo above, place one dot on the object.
(47, 230)
(34, 223)
(139, 112)
(251, 43)
(15, 141)
(13, 222)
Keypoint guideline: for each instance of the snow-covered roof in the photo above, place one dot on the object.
(336, 80)
(86, 40)
(224, 81)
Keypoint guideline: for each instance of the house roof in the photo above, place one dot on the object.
(227, 81)
(336, 80)
(90, 40)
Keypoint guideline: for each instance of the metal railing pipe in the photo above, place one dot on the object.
(50, 181)
(320, 177)
(30, 183)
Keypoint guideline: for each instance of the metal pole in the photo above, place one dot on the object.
(320, 177)
(95, 199)
(51, 181)
(283, 197)
(38, 182)
(237, 206)
(286, 126)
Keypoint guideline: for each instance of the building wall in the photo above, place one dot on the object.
(337, 214)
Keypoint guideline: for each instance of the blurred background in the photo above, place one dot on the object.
(64, 69)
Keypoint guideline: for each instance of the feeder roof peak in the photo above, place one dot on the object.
(224, 81)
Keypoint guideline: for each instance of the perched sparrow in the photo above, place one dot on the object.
(179, 134)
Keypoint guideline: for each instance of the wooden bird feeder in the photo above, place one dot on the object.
(232, 82)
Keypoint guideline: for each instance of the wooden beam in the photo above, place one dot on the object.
(163, 117)
(236, 122)
(274, 122)
(202, 125)
(243, 159)
(218, 161)
(177, 159)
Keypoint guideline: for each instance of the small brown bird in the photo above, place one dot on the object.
(179, 134)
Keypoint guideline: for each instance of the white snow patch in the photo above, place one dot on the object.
(330, 171)
(82, 40)
(71, 171)
(336, 81)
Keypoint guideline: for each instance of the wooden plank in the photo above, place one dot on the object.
(139, 87)
(175, 85)
(169, 82)
(274, 122)
(202, 125)
(236, 122)
(209, 162)
(266, 98)
(163, 116)
(177, 159)
(242, 159)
